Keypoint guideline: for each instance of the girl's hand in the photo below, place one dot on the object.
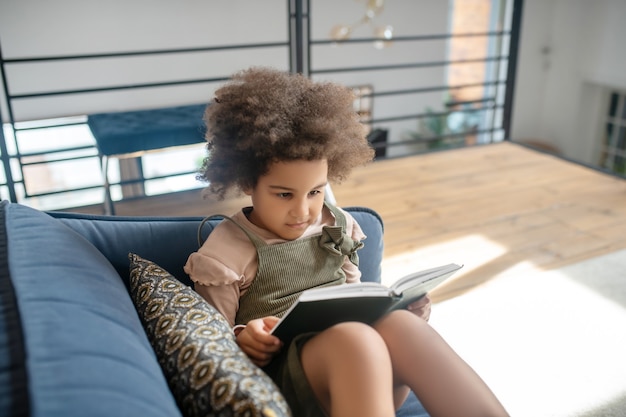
(256, 341)
(421, 307)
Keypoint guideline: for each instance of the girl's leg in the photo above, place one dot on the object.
(445, 384)
(349, 369)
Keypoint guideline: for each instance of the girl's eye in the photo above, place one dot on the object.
(283, 195)
(314, 192)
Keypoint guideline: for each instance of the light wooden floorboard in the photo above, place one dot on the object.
(493, 208)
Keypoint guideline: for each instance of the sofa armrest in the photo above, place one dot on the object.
(70, 337)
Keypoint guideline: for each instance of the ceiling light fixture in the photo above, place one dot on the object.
(373, 9)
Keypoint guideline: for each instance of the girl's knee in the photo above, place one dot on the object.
(349, 347)
(403, 318)
(348, 358)
(401, 322)
(355, 339)
(355, 333)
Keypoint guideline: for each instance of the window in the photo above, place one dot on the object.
(613, 152)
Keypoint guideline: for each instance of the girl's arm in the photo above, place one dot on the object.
(353, 274)
(225, 298)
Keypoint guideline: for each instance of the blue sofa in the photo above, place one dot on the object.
(71, 340)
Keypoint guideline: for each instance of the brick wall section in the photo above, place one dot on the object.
(469, 16)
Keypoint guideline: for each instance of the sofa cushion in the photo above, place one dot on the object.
(84, 350)
(206, 370)
(14, 400)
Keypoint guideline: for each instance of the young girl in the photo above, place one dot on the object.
(280, 138)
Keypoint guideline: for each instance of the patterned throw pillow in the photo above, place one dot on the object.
(207, 372)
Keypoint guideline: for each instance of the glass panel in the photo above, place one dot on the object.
(65, 175)
(172, 162)
(173, 184)
(8, 138)
(50, 139)
(619, 165)
(621, 138)
(16, 172)
(609, 133)
(613, 105)
(64, 200)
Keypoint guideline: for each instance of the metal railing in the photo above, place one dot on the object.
(493, 108)
(497, 100)
(28, 159)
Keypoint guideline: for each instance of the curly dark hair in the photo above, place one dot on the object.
(263, 115)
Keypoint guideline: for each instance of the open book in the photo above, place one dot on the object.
(319, 308)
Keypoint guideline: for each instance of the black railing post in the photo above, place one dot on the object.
(516, 29)
(299, 32)
(6, 160)
(306, 42)
(6, 164)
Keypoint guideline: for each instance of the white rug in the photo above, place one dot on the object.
(549, 343)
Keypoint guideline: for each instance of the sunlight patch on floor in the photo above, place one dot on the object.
(470, 251)
(547, 344)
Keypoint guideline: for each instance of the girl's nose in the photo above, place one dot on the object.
(300, 208)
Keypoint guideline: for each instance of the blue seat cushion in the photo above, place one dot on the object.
(14, 397)
(120, 133)
(84, 351)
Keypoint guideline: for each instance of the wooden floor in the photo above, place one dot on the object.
(497, 209)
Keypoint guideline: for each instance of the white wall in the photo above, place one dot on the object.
(570, 52)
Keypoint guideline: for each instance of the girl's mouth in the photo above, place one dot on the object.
(299, 225)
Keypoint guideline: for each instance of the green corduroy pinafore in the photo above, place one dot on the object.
(285, 270)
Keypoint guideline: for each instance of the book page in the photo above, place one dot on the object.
(412, 280)
(424, 284)
(360, 289)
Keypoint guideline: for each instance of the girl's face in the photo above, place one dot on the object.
(289, 197)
